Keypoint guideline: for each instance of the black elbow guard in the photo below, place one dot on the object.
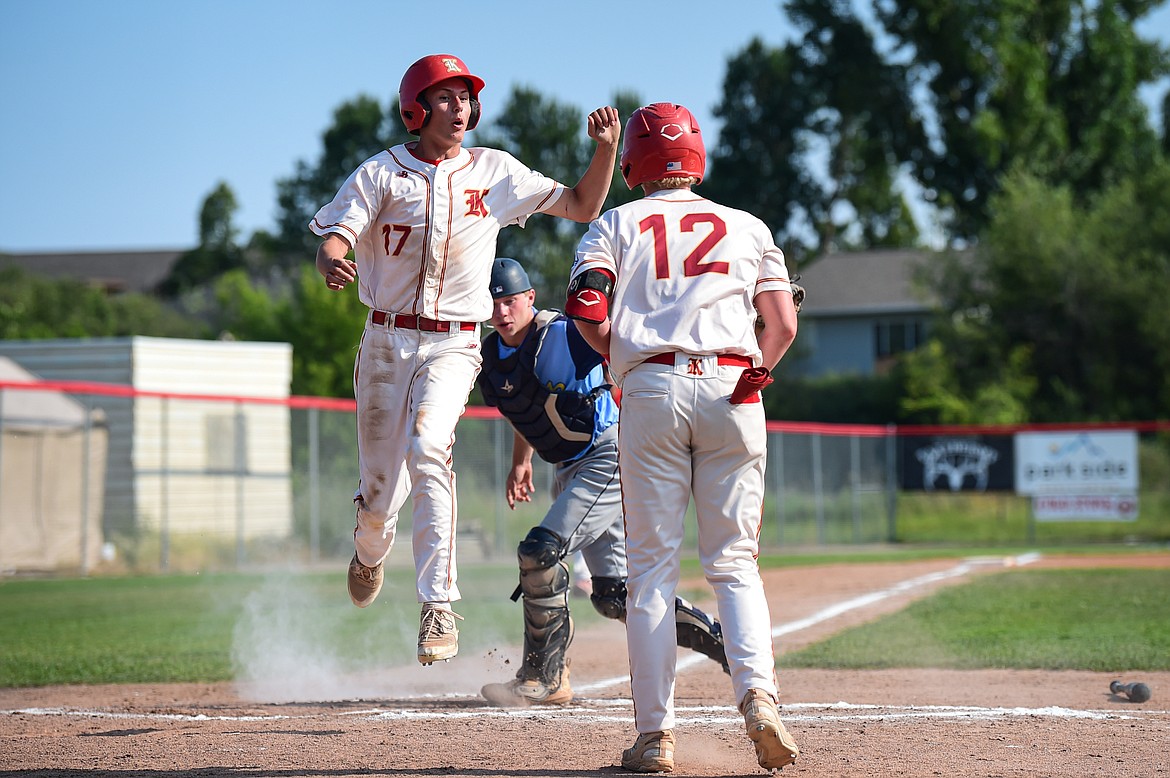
(589, 295)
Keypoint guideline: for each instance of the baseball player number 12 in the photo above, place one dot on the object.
(693, 265)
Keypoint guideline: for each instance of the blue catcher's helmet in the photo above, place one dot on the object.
(508, 278)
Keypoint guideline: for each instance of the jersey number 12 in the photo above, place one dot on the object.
(694, 263)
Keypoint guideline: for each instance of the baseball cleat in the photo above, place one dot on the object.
(364, 582)
(438, 637)
(521, 692)
(651, 753)
(775, 748)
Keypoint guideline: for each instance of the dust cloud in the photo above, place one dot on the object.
(286, 647)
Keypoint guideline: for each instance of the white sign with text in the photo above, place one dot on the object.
(1089, 507)
(1077, 462)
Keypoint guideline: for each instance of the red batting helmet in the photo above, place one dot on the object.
(424, 74)
(662, 140)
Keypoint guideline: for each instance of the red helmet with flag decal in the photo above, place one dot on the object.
(662, 140)
(424, 74)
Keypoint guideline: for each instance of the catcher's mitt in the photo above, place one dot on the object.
(797, 299)
(797, 293)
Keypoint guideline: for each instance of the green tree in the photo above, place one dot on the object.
(1059, 310)
(326, 327)
(817, 133)
(757, 164)
(550, 136)
(828, 95)
(1050, 86)
(844, 399)
(38, 308)
(322, 326)
(1166, 124)
(940, 387)
(218, 250)
(361, 128)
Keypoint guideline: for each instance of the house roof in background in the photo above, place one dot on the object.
(114, 271)
(864, 283)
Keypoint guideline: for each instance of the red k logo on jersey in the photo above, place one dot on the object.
(475, 204)
(694, 366)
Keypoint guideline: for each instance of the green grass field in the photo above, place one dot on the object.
(1100, 620)
(191, 628)
(202, 628)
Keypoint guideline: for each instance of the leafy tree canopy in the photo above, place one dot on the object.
(828, 95)
(323, 326)
(550, 137)
(1052, 87)
(1057, 315)
(820, 134)
(361, 128)
(218, 250)
(37, 308)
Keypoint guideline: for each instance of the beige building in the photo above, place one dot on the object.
(199, 436)
(52, 477)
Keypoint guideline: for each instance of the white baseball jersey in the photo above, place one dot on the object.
(424, 235)
(424, 238)
(687, 272)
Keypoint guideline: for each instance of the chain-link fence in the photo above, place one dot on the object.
(101, 478)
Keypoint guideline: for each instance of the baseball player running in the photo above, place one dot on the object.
(554, 389)
(422, 220)
(669, 287)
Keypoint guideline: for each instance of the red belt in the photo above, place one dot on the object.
(412, 321)
(724, 359)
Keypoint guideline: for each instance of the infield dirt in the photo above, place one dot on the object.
(913, 723)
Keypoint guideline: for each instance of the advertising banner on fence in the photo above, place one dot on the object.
(972, 463)
(1077, 462)
(1091, 507)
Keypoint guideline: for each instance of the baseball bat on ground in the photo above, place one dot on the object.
(1136, 692)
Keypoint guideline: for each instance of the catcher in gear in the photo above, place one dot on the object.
(555, 391)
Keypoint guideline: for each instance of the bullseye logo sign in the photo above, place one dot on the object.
(1077, 462)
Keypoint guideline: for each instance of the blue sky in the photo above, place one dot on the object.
(120, 116)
